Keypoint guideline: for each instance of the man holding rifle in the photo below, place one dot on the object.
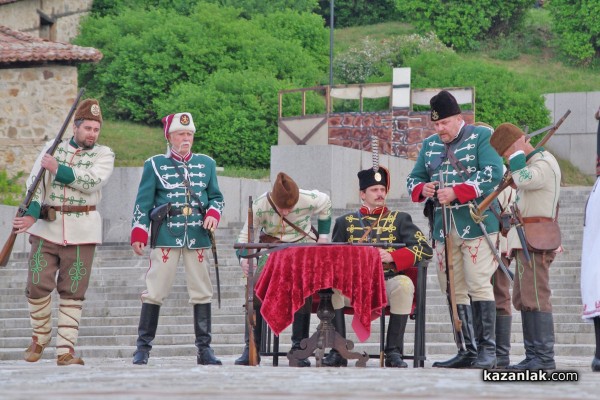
(180, 203)
(459, 158)
(532, 240)
(284, 215)
(64, 227)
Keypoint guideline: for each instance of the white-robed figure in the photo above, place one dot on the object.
(590, 267)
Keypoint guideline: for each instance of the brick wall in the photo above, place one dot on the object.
(400, 132)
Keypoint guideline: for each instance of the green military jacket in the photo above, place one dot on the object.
(161, 184)
(484, 169)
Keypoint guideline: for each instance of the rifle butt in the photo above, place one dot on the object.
(7, 249)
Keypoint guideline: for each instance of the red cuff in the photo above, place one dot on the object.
(416, 193)
(139, 235)
(464, 192)
(403, 258)
(213, 213)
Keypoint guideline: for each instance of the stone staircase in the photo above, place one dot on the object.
(111, 312)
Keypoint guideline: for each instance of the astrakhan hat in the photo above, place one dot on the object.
(88, 109)
(370, 177)
(443, 105)
(178, 122)
(285, 192)
(504, 136)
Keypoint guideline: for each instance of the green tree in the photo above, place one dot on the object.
(576, 28)
(358, 12)
(462, 24)
(155, 59)
(501, 95)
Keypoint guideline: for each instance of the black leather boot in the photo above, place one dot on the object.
(503, 329)
(528, 325)
(394, 347)
(464, 358)
(244, 359)
(484, 320)
(146, 333)
(300, 330)
(202, 329)
(543, 341)
(596, 360)
(334, 358)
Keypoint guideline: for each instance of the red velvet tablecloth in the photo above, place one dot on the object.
(292, 274)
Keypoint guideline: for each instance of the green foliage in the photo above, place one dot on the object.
(257, 7)
(11, 189)
(501, 96)
(236, 121)
(372, 59)
(461, 24)
(154, 56)
(358, 12)
(576, 28)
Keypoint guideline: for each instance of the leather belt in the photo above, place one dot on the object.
(173, 212)
(536, 219)
(74, 209)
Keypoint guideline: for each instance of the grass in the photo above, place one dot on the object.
(134, 143)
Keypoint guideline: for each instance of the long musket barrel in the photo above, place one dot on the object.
(10, 242)
(450, 293)
(507, 180)
(251, 318)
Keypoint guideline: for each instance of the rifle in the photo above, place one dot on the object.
(507, 179)
(10, 242)
(272, 247)
(252, 350)
(450, 294)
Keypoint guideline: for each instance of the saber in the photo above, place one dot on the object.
(213, 245)
(521, 233)
(506, 271)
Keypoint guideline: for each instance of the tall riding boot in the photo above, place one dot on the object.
(596, 360)
(202, 329)
(334, 358)
(394, 347)
(146, 333)
(300, 330)
(244, 359)
(40, 316)
(543, 341)
(528, 324)
(69, 315)
(503, 329)
(484, 319)
(464, 358)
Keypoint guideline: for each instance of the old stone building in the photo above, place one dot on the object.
(38, 84)
(55, 20)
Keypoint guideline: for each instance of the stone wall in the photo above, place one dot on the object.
(23, 16)
(33, 105)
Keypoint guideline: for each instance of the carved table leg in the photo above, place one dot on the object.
(326, 337)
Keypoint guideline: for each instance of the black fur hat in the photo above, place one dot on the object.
(443, 105)
(368, 177)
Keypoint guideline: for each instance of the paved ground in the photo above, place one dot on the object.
(180, 377)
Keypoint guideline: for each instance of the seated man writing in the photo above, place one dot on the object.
(375, 223)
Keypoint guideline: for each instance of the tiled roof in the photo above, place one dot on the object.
(18, 47)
